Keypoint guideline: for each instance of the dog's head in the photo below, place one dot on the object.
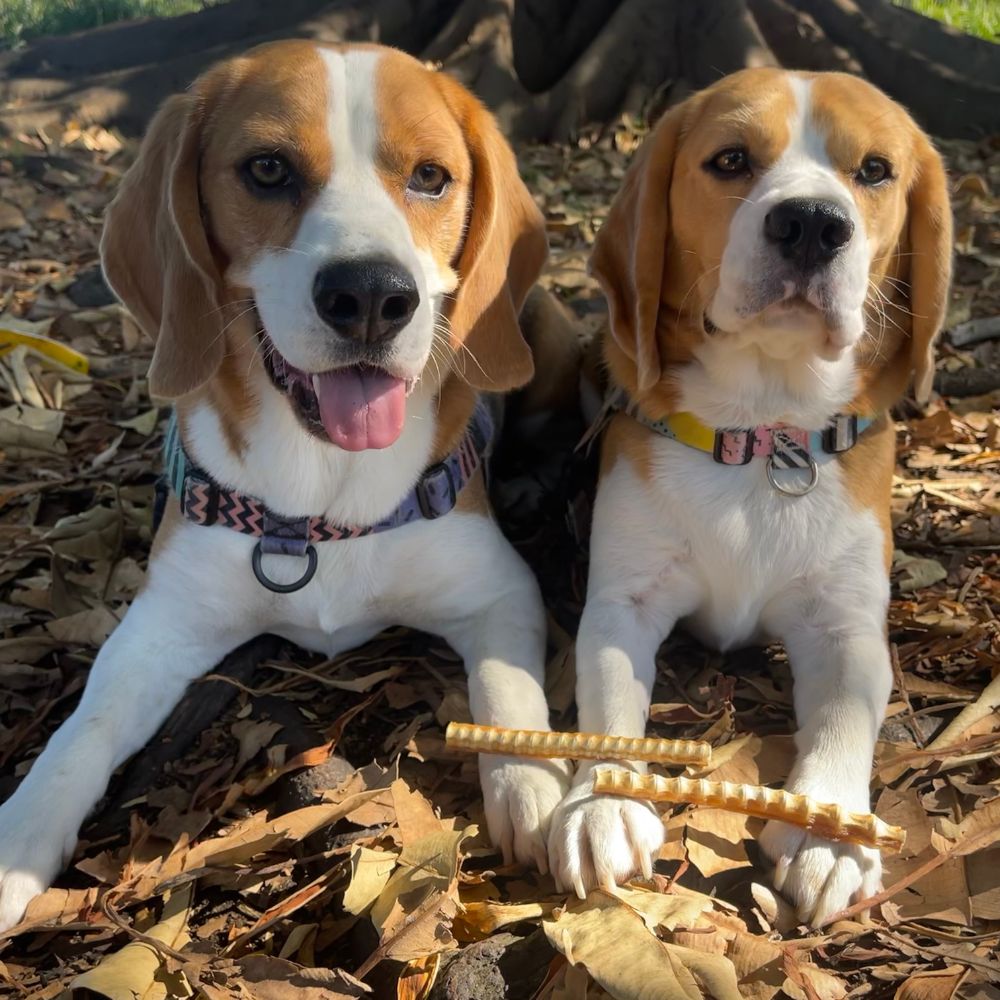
(783, 211)
(363, 210)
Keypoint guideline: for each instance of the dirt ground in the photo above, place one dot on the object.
(298, 829)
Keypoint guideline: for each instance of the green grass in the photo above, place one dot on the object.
(974, 17)
(21, 20)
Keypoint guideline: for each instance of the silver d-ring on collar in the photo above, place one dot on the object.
(283, 588)
(802, 491)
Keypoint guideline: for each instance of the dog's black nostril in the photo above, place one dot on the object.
(396, 307)
(368, 300)
(808, 231)
(837, 233)
(344, 308)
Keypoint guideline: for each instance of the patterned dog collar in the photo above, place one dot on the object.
(784, 446)
(205, 502)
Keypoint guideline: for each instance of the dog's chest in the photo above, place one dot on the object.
(754, 551)
(424, 574)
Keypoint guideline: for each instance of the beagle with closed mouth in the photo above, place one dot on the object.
(331, 245)
(776, 266)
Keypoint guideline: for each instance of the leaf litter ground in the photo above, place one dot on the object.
(298, 829)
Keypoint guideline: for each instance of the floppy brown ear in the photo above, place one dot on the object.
(930, 238)
(628, 254)
(502, 256)
(156, 255)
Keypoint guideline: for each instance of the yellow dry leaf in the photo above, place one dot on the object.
(941, 893)
(56, 906)
(144, 424)
(714, 837)
(137, 972)
(414, 814)
(611, 940)
(408, 934)
(807, 982)
(666, 910)
(89, 628)
(417, 979)
(426, 866)
(479, 919)
(903, 808)
(939, 984)
(736, 761)
(979, 830)
(759, 965)
(714, 840)
(776, 911)
(983, 875)
(258, 834)
(916, 573)
(370, 870)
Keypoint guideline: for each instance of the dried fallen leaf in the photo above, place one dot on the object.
(939, 984)
(370, 871)
(137, 971)
(638, 966)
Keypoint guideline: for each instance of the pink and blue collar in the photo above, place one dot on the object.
(784, 446)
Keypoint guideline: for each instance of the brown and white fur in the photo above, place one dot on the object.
(205, 260)
(707, 316)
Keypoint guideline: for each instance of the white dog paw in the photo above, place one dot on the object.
(820, 877)
(519, 798)
(601, 840)
(29, 860)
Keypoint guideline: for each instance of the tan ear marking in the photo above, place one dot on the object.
(156, 255)
(629, 252)
(575, 746)
(824, 819)
(930, 245)
(503, 254)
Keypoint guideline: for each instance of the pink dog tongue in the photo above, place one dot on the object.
(361, 407)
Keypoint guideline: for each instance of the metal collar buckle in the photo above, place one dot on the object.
(285, 538)
(282, 588)
(787, 489)
(437, 492)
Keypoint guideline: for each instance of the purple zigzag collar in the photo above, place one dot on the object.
(435, 493)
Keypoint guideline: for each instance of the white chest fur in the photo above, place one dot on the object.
(751, 553)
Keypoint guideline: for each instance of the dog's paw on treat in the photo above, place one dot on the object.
(601, 840)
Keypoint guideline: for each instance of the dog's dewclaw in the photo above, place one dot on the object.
(575, 746)
(824, 819)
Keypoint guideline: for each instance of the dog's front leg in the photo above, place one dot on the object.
(503, 647)
(640, 585)
(842, 681)
(601, 840)
(139, 675)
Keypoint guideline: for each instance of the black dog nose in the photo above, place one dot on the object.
(808, 231)
(369, 300)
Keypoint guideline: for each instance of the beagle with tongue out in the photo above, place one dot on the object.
(331, 246)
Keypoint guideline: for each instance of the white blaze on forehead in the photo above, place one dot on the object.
(353, 217)
(753, 274)
(804, 169)
(354, 203)
(352, 112)
(805, 138)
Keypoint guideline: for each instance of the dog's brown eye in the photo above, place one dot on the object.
(268, 171)
(874, 170)
(730, 162)
(429, 178)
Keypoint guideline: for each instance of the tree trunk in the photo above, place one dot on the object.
(549, 68)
